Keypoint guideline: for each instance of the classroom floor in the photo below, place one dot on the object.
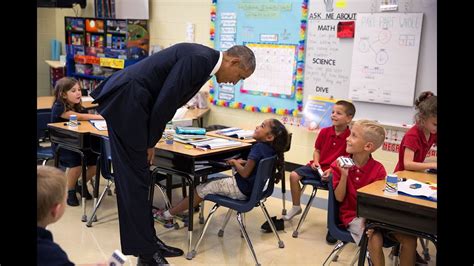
(86, 245)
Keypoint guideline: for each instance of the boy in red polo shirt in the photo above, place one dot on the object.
(418, 140)
(330, 144)
(366, 137)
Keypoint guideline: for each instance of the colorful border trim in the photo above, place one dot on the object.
(299, 70)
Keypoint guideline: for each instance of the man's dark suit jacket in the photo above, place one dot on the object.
(139, 100)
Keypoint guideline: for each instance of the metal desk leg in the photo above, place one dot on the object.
(189, 255)
(363, 246)
(283, 193)
(84, 187)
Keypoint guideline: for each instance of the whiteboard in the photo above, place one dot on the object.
(341, 51)
(385, 57)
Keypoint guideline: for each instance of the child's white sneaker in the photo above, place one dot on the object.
(295, 210)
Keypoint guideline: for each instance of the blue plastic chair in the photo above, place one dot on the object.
(341, 234)
(263, 188)
(44, 154)
(104, 161)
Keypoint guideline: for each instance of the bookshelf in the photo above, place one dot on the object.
(98, 47)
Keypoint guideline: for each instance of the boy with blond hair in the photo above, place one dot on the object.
(366, 137)
(51, 203)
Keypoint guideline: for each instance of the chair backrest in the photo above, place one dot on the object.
(43, 117)
(106, 158)
(264, 180)
(333, 216)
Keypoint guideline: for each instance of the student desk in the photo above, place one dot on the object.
(46, 102)
(175, 159)
(172, 159)
(197, 114)
(77, 140)
(401, 213)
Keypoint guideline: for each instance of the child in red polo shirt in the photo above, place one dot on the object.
(330, 144)
(366, 137)
(418, 140)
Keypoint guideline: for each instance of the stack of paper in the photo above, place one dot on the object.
(428, 191)
(99, 124)
(236, 133)
(190, 138)
(215, 143)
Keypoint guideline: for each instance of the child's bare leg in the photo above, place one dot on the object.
(374, 246)
(184, 204)
(295, 188)
(91, 171)
(407, 248)
(72, 176)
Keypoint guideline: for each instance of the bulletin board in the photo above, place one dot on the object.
(329, 58)
(275, 31)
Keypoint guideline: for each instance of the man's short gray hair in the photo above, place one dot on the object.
(246, 55)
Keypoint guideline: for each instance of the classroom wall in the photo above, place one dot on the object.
(168, 20)
(50, 25)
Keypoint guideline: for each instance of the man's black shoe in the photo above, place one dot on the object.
(153, 260)
(330, 240)
(168, 251)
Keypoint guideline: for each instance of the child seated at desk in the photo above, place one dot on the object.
(366, 137)
(418, 140)
(271, 137)
(67, 102)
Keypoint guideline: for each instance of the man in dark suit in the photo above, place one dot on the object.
(136, 103)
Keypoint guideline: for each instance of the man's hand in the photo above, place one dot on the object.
(150, 154)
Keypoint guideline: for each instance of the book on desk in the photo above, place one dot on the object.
(235, 132)
(215, 143)
(418, 189)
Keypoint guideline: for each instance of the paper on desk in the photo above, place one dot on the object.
(87, 99)
(99, 124)
(430, 191)
(180, 113)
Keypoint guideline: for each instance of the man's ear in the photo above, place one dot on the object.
(235, 61)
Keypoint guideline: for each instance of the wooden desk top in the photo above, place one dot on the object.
(86, 127)
(196, 113)
(214, 134)
(55, 64)
(178, 147)
(46, 102)
(376, 188)
(83, 128)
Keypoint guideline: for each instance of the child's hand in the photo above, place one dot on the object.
(231, 162)
(325, 176)
(369, 233)
(242, 161)
(314, 166)
(344, 171)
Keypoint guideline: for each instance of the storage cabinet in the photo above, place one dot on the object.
(97, 47)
